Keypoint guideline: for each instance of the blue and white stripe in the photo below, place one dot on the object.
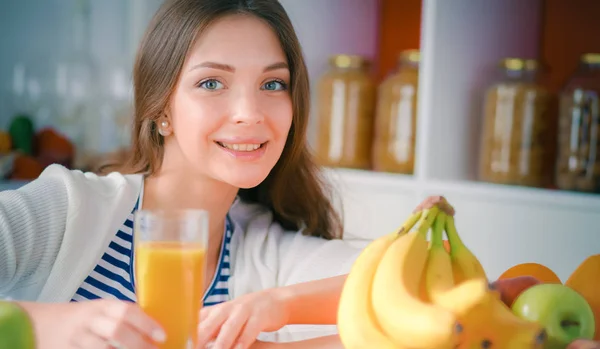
(112, 277)
(218, 291)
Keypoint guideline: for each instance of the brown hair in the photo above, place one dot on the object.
(294, 190)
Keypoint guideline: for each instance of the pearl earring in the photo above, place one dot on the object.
(162, 130)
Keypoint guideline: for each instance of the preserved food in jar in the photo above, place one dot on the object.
(345, 114)
(395, 121)
(515, 127)
(578, 160)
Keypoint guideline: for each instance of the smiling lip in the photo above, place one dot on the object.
(242, 140)
(247, 149)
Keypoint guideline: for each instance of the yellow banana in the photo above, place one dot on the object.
(461, 299)
(465, 265)
(489, 323)
(404, 317)
(356, 323)
(438, 272)
(357, 326)
(486, 321)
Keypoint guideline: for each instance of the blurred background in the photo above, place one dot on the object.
(493, 103)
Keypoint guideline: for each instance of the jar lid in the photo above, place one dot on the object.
(348, 61)
(519, 64)
(412, 56)
(591, 58)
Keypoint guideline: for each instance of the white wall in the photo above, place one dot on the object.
(327, 27)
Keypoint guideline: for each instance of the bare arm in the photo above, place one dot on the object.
(314, 302)
(92, 324)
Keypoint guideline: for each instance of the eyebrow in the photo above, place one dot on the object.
(229, 68)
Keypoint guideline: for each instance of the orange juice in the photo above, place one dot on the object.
(169, 287)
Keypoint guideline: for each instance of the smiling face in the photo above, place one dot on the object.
(231, 111)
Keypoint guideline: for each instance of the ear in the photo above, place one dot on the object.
(167, 111)
(164, 124)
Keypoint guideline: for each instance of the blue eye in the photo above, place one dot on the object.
(211, 84)
(274, 86)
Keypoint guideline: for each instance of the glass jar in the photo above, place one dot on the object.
(395, 121)
(346, 97)
(578, 159)
(517, 116)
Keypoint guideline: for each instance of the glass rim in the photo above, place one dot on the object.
(171, 225)
(172, 214)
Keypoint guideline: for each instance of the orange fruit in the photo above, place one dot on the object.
(538, 271)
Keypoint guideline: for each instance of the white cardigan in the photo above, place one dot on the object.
(54, 230)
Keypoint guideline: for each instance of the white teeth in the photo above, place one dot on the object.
(241, 147)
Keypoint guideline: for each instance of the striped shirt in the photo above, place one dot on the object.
(112, 277)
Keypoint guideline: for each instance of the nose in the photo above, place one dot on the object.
(246, 108)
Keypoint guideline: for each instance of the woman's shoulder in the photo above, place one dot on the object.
(84, 190)
(77, 179)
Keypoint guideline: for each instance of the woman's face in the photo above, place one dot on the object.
(231, 110)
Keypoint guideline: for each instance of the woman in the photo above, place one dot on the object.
(221, 107)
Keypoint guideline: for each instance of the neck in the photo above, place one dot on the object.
(184, 190)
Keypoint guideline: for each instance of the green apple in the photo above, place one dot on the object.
(563, 312)
(16, 330)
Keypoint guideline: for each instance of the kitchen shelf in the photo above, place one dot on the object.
(504, 225)
(461, 42)
(369, 178)
(525, 195)
(390, 182)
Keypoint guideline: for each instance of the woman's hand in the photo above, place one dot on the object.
(93, 324)
(438, 201)
(237, 323)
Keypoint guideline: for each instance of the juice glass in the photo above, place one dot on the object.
(169, 270)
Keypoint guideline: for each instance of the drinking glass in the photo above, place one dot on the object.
(169, 270)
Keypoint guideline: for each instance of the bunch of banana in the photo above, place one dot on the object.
(456, 282)
(406, 293)
(381, 305)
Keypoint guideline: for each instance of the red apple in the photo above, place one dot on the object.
(511, 288)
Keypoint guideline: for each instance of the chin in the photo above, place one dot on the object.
(245, 183)
(243, 172)
(245, 179)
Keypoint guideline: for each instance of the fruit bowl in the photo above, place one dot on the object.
(585, 280)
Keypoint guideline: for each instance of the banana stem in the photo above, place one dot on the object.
(453, 238)
(437, 230)
(409, 223)
(426, 220)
